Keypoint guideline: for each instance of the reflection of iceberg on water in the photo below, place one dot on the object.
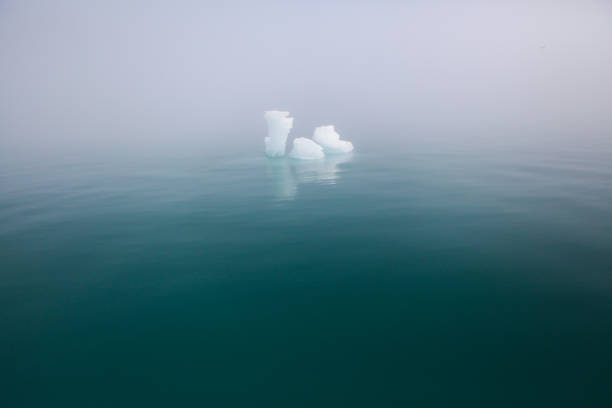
(288, 174)
(325, 171)
(285, 185)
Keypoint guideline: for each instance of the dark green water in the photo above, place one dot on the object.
(382, 279)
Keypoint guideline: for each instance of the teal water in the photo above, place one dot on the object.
(452, 278)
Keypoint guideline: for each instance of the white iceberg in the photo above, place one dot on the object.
(329, 139)
(306, 149)
(279, 125)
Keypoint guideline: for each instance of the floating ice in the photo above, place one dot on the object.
(306, 149)
(279, 125)
(329, 139)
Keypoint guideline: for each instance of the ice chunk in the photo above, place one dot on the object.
(329, 139)
(279, 125)
(306, 149)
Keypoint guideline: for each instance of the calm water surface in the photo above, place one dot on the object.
(377, 279)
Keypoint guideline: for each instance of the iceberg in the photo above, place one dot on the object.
(279, 125)
(306, 149)
(329, 139)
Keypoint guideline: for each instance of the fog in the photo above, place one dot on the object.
(196, 74)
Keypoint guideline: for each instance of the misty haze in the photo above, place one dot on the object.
(305, 203)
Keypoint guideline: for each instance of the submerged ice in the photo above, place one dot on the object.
(329, 139)
(279, 125)
(306, 149)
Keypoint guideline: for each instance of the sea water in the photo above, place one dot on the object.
(433, 277)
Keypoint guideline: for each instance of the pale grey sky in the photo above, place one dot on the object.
(100, 73)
